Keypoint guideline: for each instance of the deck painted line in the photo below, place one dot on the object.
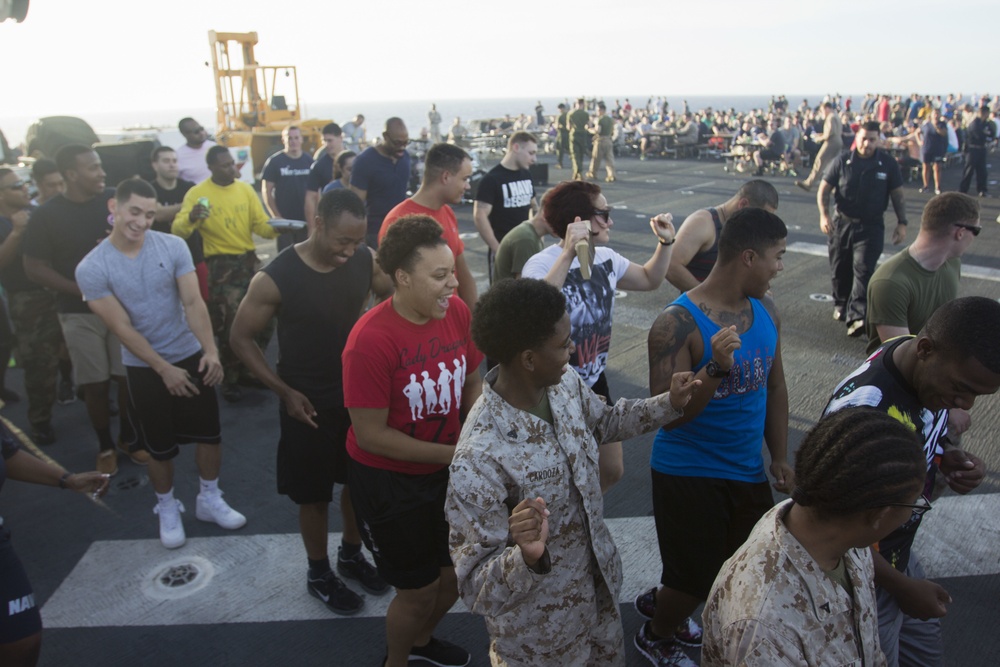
(261, 578)
(968, 270)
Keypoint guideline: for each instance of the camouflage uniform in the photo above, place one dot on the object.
(772, 605)
(570, 615)
(39, 338)
(228, 279)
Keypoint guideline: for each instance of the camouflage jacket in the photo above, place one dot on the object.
(505, 455)
(772, 606)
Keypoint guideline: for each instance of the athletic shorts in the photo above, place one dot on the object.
(402, 523)
(19, 616)
(164, 421)
(94, 349)
(601, 388)
(700, 522)
(311, 460)
(770, 155)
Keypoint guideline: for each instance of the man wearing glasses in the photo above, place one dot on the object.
(906, 289)
(381, 174)
(918, 380)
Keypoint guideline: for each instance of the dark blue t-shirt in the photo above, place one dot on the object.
(383, 180)
(321, 172)
(290, 176)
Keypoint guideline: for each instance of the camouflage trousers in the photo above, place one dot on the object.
(39, 338)
(228, 279)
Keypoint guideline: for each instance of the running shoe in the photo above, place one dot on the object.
(334, 594)
(688, 632)
(171, 528)
(359, 569)
(661, 652)
(441, 653)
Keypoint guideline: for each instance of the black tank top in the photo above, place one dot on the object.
(316, 314)
(701, 264)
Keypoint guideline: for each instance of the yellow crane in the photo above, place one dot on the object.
(255, 102)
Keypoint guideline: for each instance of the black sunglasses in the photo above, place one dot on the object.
(972, 228)
(603, 213)
(919, 509)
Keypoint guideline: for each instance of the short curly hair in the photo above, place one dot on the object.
(399, 248)
(515, 315)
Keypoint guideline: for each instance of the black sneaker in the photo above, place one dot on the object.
(335, 595)
(361, 570)
(441, 653)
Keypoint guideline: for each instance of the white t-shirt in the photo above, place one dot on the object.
(590, 304)
(191, 162)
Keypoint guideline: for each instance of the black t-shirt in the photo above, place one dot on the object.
(62, 232)
(878, 384)
(320, 173)
(166, 197)
(12, 276)
(862, 185)
(317, 312)
(289, 176)
(509, 192)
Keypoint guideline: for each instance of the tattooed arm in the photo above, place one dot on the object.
(899, 206)
(674, 344)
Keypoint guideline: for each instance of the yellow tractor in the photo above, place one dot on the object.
(255, 102)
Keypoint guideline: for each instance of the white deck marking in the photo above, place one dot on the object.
(261, 578)
(968, 270)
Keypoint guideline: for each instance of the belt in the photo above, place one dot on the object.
(848, 218)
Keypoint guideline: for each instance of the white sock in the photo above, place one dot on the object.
(166, 499)
(210, 486)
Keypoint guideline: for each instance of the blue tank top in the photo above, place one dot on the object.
(725, 440)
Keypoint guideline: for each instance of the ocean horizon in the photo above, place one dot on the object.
(413, 112)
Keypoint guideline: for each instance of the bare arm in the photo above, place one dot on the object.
(311, 205)
(823, 203)
(375, 436)
(672, 348)
(918, 598)
(650, 275)
(886, 331)
(167, 213)
(24, 467)
(382, 286)
(899, 207)
(41, 272)
(696, 234)
(481, 216)
(471, 390)
(270, 203)
(466, 283)
(10, 246)
(776, 417)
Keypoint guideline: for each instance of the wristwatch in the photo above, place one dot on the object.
(713, 369)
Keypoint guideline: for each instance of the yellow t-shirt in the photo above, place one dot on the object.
(235, 215)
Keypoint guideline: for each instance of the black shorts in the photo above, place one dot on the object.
(700, 522)
(601, 388)
(770, 155)
(402, 523)
(165, 421)
(311, 460)
(19, 616)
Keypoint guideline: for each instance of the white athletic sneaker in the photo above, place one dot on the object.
(212, 508)
(171, 528)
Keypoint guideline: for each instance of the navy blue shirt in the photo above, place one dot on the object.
(320, 173)
(861, 186)
(383, 180)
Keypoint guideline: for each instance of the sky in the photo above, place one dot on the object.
(81, 56)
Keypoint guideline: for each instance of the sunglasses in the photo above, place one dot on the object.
(922, 507)
(975, 230)
(603, 213)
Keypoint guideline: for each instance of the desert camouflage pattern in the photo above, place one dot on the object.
(569, 616)
(772, 605)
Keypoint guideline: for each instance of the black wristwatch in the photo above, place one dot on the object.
(713, 369)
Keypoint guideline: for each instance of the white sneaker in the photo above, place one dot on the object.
(212, 508)
(171, 528)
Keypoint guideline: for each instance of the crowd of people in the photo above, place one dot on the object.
(491, 487)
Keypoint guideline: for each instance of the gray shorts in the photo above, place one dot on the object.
(94, 349)
(908, 642)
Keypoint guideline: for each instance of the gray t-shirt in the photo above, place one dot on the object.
(146, 286)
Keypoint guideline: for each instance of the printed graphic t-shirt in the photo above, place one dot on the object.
(417, 371)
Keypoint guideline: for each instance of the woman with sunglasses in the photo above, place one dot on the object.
(800, 591)
(577, 211)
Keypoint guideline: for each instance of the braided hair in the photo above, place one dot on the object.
(857, 459)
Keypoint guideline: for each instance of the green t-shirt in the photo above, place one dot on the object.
(516, 248)
(902, 293)
(604, 126)
(578, 121)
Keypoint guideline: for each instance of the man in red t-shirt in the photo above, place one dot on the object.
(447, 169)
(410, 371)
